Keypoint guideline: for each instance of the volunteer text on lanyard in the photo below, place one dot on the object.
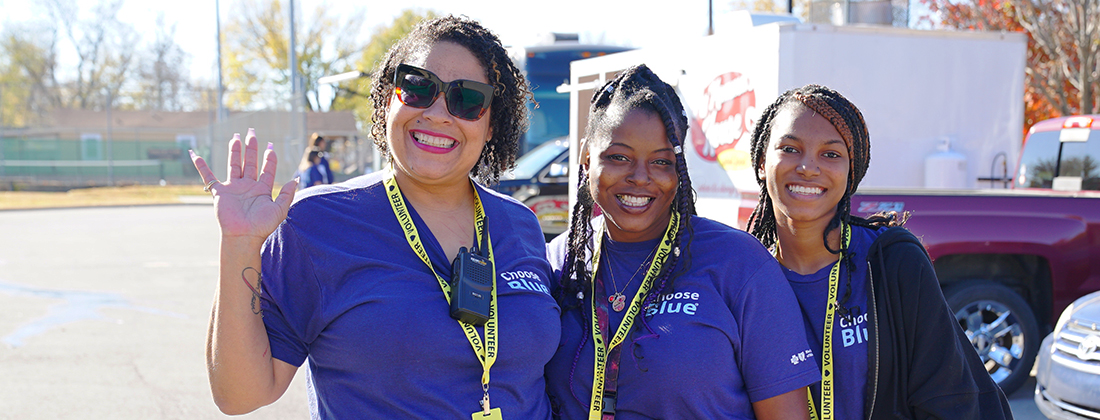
(827, 409)
(603, 393)
(486, 352)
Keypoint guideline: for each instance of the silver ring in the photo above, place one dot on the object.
(208, 184)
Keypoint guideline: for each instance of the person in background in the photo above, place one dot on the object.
(319, 143)
(354, 279)
(866, 287)
(665, 314)
(309, 170)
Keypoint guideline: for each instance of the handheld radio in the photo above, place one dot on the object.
(472, 284)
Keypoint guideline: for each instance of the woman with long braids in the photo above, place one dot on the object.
(665, 314)
(355, 278)
(888, 343)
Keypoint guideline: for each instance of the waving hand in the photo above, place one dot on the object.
(243, 202)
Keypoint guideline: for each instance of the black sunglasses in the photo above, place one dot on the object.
(419, 88)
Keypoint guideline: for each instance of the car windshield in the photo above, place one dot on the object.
(1078, 159)
(529, 165)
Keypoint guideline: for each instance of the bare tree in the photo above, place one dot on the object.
(105, 49)
(1067, 34)
(162, 75)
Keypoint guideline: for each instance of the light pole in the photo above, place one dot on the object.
(297, 93)
(710, 17)
(110, 150)
(221, 87)
(3, 164)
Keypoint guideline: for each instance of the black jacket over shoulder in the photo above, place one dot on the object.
(921, 365)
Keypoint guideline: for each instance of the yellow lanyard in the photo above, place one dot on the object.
(596, 407)
(487, 352)
(827, 411)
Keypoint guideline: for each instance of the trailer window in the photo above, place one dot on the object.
(1040, 161)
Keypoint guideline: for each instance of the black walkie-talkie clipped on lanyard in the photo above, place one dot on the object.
(472, 282)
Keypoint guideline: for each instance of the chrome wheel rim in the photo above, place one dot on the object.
(996, 335)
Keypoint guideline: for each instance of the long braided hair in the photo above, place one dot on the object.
(509, 116)
(849, 122)
(636, 88)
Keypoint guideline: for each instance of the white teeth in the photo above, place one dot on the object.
(633, 201)
(798, 189)
(433, 141)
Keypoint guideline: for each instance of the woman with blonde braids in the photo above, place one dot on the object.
(665, 314)
(888, 343)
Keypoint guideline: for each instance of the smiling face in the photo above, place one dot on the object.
(806, 166)
(633, 176)
(431, 146)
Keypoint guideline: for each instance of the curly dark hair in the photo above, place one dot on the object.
(509, 116)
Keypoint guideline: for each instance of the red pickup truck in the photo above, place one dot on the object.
(1010, 260)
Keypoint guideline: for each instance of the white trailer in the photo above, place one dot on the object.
(917, 89)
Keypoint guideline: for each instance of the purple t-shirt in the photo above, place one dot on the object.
(727, 334)
(849, 335)
(343, 288)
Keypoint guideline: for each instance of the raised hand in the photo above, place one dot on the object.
(243, 202)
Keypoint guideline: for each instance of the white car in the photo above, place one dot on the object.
(1067, 380)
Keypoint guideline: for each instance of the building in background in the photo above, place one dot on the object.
(80, 148)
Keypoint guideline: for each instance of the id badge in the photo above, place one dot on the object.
(494, 414)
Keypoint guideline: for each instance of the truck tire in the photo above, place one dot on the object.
(1001, 326)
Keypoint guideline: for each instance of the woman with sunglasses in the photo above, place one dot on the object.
(889, 345)
(356, 278)
(665, 314)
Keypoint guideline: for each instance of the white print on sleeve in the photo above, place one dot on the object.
(524, 280)
(802, 357)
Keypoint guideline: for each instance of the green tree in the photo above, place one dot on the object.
(353, 94)
(256, 41)
(28, 83)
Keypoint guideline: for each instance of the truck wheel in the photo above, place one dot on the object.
(1002, 328)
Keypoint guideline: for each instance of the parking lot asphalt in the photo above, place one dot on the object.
(103, 314)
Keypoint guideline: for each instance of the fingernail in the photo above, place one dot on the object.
(297, 179)
(251, 132)
(270, 146)
(236, 136)
(192, 152)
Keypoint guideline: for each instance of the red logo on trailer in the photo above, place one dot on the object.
(727, 117)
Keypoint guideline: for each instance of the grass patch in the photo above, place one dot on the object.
(105, 196)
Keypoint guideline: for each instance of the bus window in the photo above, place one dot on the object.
(546, 68)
